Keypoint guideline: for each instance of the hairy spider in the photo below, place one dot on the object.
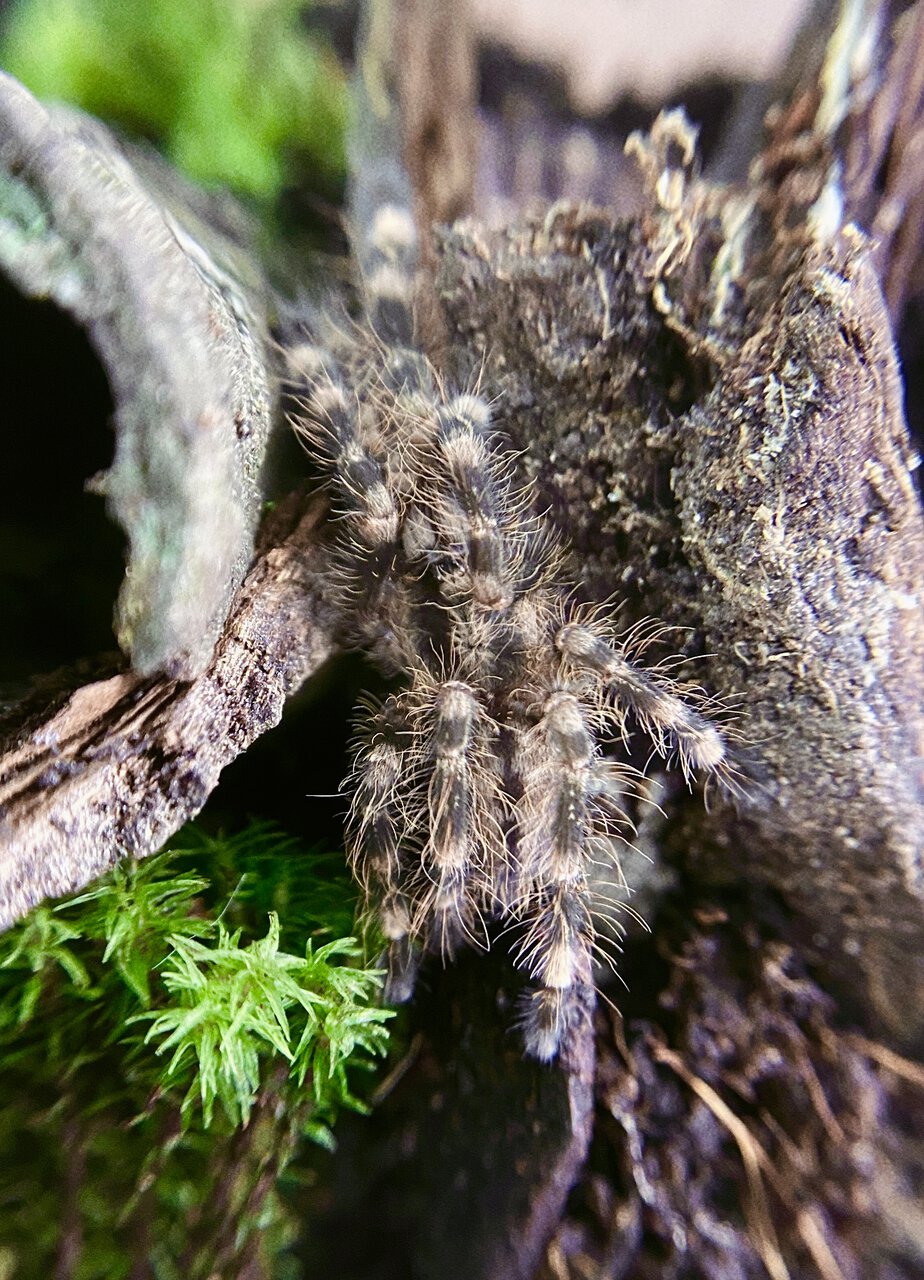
(481, 790)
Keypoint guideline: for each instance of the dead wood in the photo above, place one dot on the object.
(119, 764)
(176, 306)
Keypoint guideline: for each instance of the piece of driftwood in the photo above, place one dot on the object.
(176, 306)
(117, 765)
(720, 437)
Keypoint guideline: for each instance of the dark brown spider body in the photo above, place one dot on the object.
(482, 535)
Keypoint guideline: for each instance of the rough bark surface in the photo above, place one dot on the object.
(112, 768)
(177, 310)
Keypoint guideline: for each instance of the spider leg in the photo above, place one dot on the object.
(376, 833)
(670, 721)
(570, 813)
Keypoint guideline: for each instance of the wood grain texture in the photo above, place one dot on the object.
(115, 766)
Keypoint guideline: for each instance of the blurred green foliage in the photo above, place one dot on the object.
(167, 1043)
(235, 92)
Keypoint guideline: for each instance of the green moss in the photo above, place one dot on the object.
(168, 1041)
(234, 91)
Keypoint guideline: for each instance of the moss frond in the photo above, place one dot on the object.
(166, 1038)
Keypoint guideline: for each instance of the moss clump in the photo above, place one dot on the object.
(168, 1041)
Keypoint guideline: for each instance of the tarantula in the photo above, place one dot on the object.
(481, 790)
